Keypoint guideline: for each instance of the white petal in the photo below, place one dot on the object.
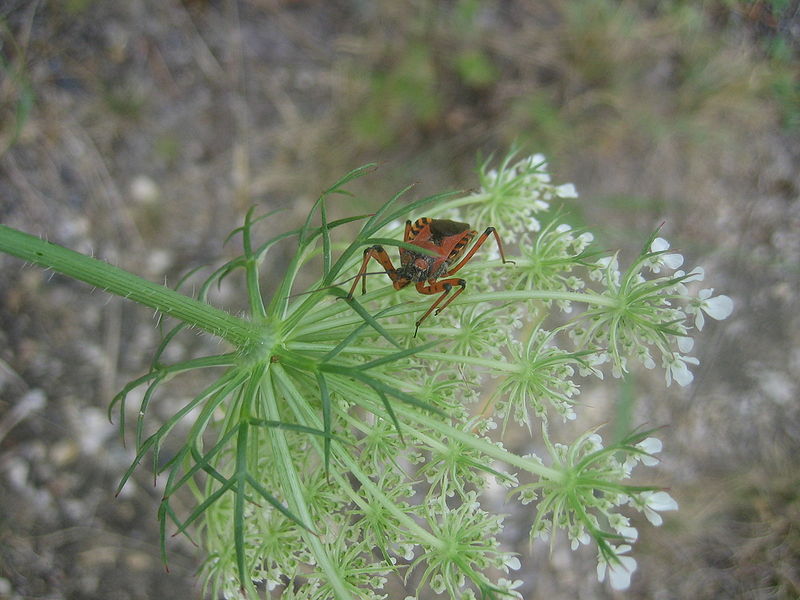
(653, 517)
(684, 377)
(696, 274)
(681, 373)
(659, 245)
(601, 572)
(719, 307)
(662, 501)
(620, 574)
(594, 442)
(631, 534)
(685, 344)
(673, 261)
(699, 320)
(604, 261)
(651, 445)
(566, 191)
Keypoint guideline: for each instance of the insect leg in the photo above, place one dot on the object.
(444, 286)
(379, 254)
(484, 236)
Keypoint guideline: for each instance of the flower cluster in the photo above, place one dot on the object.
(513, 193)
(343, 429)
(637, 313)
(550, 259)
(587, 497)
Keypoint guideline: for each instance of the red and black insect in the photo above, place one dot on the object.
(432, 274)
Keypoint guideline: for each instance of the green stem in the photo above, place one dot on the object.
(127, 285)
(372, 352)
(293, 488)
(322, 320)
(479, 444)
(446, 431)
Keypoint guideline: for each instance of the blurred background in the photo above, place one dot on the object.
(141, 132)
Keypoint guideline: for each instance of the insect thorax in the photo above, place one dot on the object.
(422, 267)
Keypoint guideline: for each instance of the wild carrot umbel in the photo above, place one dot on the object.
(336, 449)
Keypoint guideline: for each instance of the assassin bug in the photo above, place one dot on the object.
(432, 274)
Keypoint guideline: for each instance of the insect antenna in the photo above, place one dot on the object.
(328, 287)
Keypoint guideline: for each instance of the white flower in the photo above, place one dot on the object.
(582, 241)
(438, 584)
(566, 191)
(619, 573)
(685, 344)
(604, 261)
(676, 369)
(671, 260)
(608, 266)
(582, 538)
(655, 502)
(718, 307)
(659, 244)
(652, 446)
(593, 443)
(696, 274)
(510, 586)
(407, 551)
(645, 358)
(631, 534)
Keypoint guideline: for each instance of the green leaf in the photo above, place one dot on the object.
(416, 205)
(388, 406)
(203, 506)
(248, 222)
(216, 392)
(353, 335)
(335, 188)
(238, 502)
(326, 418)
(145, 403)
(375, 223)
(400, 244)
(389, 358)
(201, 462)
(368, 318)
(379, 386)
(326, 241)
(277, 504)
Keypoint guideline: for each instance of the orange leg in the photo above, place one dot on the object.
(379, 254)
(478, 244)
(444, 286)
